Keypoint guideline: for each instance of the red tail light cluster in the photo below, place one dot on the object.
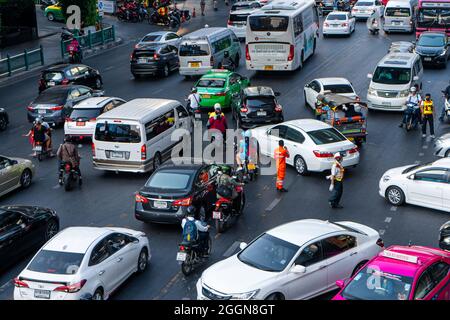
(140, 198)
(229, 22)
(291, 53)
(326, 24)
(92, 119)
(278, 108)
(67, 167)
(30, 108)
(156, 56)
(71, 288)
(220, 94)
(144, 152)
(20, 284)
(182, 248)
(65, 81)
(185, 202)
(93, 149)
(247, 52)
(133, 57)
(244, 109)
(320, 154)
(344, 24)
(57, 108)
(354, 150)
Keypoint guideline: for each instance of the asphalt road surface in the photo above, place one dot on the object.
(107, 199)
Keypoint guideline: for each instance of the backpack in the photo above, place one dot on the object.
(190, 232)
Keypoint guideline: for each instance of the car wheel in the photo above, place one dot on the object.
(447, 153)
(98, 83)
(50, 16)
(52, 229)
(98, 294)
(395, 196)
(358, 267)
(137, 76)
(25, 178)
(142, 260)
(275, 296)
(300, 165)
(3, 123)
(156, 161)
(166, 71)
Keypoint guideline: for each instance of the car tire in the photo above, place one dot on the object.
(300, 166)
(98, 83)
(98, 294)
(51, 230)
(50, 16)
(157, 161)
(25, 178)
(395, 196)
(166, 71)
(358, 267)
(447, 153)
(142, 260)
(137, 76)
(3, 123)
(275, 296)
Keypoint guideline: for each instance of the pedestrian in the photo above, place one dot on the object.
(446, 94)
(215, 5)
(281, 153)
(336, 177)
(202, 6)
(426, 109)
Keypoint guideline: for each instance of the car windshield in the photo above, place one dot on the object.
(268, 23)
(416, 166)
(194, 49)
(326, 136)
(260, 102)
(211, 83)
(373, 284)
(51, 97)
(56, 262)
(341, 17)
(85, 113)
(169, 180)
(429, 40)
(268, 253)
(53, 76)
(338, 88)
(397, 12)
(151, 38)
(114, 132)
(392, 75)
(363, 4)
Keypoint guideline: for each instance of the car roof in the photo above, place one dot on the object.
(201, 34)
(398, 59)
(91, 102)
(364, 1)
(59, 66)
(433, 33)
(63, 88)
(307, 125)
(339, 99)
(217, 74)
(158, 33)
(76, 239)
(258, 91)
(244, 11)
(333, 80)
(180, 167)
(338, 12)
(442, 162)
(301, 231)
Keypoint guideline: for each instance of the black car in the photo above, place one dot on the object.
(257, 106)
(433, 48)
(172, 188)
(154, 59)
(444, 236)
(55, 104)
(60, 74)
(4, 119)
(24, 229)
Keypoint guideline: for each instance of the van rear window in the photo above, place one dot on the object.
(397, 12)
(194, 49)
(117, 132)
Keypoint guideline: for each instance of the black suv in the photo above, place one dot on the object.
(433, 48)
(257, 106)
(60, 74)
(154, 59)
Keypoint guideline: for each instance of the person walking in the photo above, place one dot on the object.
(427, 109)
(202, 6)
(281, 153)
(336, 186)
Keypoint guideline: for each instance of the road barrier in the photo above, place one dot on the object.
(22, 61)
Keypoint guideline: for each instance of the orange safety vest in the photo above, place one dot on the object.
(428, 107)
(280, 156)
(340, 171)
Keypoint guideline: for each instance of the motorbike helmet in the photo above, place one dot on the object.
(413, 89)
(217, 107)
(190, 211)
(444, 236)
(39, 120)
(194, 90)
(337, 155)
(67, 138)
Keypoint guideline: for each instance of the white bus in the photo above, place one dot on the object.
(281, 35)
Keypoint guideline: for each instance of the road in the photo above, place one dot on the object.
(106, 199)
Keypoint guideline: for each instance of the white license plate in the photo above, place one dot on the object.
(335, 25)
(397, 23)
(116, 154)
(142, 60)
(386, 103)
(51, 83)
(261, 113)
(198, 116)
(160, 204)
(42, 111)
(38, 148)
(427, 59)
(181, 256)
(42, 294)
(217, 215)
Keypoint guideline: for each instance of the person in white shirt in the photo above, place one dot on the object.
(194, 99)
(202, 234)
(414, 98)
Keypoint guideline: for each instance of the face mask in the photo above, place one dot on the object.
(428, 98)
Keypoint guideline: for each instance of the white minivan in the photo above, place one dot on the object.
(399, 16)
(203, 50)
(237, 22)
(137, 136)
(394, 75)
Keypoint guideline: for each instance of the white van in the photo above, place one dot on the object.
(394, 75)
(202, 50)
(399, 16)
(136, 136)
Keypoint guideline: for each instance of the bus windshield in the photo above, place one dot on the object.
(434, 17)
(268, 23)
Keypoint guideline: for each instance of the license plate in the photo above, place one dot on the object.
(42, 111)
(42, 294)
(51, 83)
(142, 60)
(206, 96)
(261, 113)
(38, 148)
(197, 116)
(251, 166)
(116, 154)
(268, 67)
(217, 215)
(335, 25)
(160, 204)
(386, 103)
(194, 64)
(397, 23)
(81, 123)
(427, 59)
(181, 256)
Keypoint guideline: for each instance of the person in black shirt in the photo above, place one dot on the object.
(446, 93)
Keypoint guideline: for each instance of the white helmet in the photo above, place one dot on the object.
(217, 107)
(206, 26)
(413, 89)
(337, 155)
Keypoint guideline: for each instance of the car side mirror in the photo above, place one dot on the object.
(298, 269)
(416, 78)
(277, 94)
(13, 162)
(242, 245)
(340, 283)
(369, 75)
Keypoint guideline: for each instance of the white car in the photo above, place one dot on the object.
(364, 8)
(246, 5)
(297, 260)
(81, 121)
(311, 144)
(83, 262)
(315, 87)
(237, 22)
(159, 37)
(426, 185)
(442, 146)
(339, 22)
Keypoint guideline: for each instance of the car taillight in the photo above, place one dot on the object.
(247, 52)
(92, 119)
(140, 198)
(278, 108)
(244, 109)
(67, 167)
(144, 152)
(57, 108)
(132, 57)
(20, 284)
(68, 119)
(380, 242)
(229, 22)
(354, 150)
(344, 24)
(326, 24)
(156, 56)
(182, 248)
(65, 81)
(71, 288)
(185, 202)
(93, 149)
(291, 53)
(320, 154)
(30, 108)
(220, 94)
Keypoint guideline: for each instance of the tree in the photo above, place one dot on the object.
(88, 10)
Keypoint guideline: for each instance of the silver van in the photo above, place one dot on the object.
(399, 16)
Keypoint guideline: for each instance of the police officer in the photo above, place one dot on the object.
(336, 177)
(427, 109)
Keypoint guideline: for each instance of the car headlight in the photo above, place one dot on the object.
(443, 52)
(244, 296)
(372, 92)
(403, 93)
(386, 178)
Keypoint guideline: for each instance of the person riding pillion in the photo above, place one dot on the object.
(281, 153)
(427, 109)
(336, 177)
(414, 98)
(195, 231)
(217, 120)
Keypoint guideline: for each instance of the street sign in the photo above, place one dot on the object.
(100, 7)
(105, 6)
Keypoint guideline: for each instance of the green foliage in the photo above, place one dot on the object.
(88, 10)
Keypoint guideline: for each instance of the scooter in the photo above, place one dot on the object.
(68, 176)
(74, 56)
(41, 151)
(190, 256)
(375, 28)
(412, 118)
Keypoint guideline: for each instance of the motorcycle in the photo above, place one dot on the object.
(374, 28)
(446, 105)
(124, 14)
(68, 176)
(67, 34)
(74, 56)
(41, 151)
(190, 256)
(250, 169)
(412, 118)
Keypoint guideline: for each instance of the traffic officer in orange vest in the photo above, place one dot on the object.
(281, 153)
(336, 177)
(427, 109)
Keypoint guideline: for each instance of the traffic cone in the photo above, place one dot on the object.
(193, 13)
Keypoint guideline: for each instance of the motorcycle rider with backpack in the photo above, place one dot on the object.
(67, 152)
(195, 230)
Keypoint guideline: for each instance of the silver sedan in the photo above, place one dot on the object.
(442, 146)
(15, 173)
(159, 37)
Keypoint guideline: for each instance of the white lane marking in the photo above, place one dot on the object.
(56, 186)
(424, 146)
(273, 204)
(109, 68)
(416, 162)
(157, 91)
(388, 219)
(393, 208)
(7, 284)
(421, 154)
(231, 249)
(381, 232)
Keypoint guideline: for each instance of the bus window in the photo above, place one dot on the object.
(298, 25)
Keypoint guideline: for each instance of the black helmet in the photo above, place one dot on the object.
(67, 138)
(190, 211)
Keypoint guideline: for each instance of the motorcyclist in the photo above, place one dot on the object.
(75, 47)
(341, 5)
(217, 120)
(201, 231)
(41, 134)
(194, 99)
(414, 98)
(374, 22)
(68, 152)
(227, 62)
(227, 183)
(242, 150)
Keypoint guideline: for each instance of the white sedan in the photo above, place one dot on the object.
(426, 185)
(318, 86)
(339, 22)
(311, 144)
(159, 37)
(83, 262)
(364, 8)
(297, 260)
(442, 146)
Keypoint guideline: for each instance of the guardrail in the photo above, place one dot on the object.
(22, 61)
(90, 40)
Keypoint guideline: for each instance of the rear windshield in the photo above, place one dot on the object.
(211, 83)
(429, 40)
(56, 262)
(238, 17)
(268, 23)
(397, 12)
(151, 38)
(341, 17)
(241, 6)
(169, 180)
(338, 88)
(260, 102)
(144, 53)
(85, 114)
(115, 132)
(326, 136)
(51, 97)
(55, 76)
(363, 4)
(191, 49)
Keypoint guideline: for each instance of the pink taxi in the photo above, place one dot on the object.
(400, 273)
